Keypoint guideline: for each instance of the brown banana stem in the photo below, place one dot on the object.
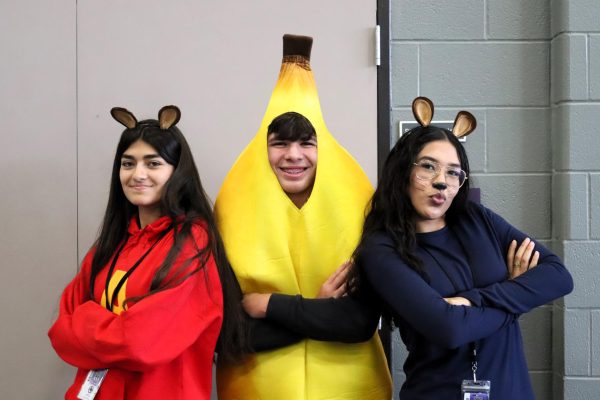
(296, 49)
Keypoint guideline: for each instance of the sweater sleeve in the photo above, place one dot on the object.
(546, 282)
(153, 331)
(348, 319)
(419, 305)
(268, 335)
(65, 343)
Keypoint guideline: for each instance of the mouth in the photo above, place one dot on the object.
(139, 187)
(293, 171)
(438, 199)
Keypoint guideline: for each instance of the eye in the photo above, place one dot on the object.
(308, 143)
(126, 164)
(454, 172)
(277, 143)
(154, 163)
(428, 165)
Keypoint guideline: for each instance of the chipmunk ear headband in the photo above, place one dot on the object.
(464, 123)
(168, 116)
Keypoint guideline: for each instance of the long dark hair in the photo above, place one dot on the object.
(186, 203)
(391, 210)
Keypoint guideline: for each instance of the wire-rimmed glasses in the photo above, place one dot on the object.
(427, 170)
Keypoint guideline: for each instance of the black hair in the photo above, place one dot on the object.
(391, 210)
(292, 126)
(186, 203)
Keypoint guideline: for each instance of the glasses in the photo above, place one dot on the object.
(427, 170)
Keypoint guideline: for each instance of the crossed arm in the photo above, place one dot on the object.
(534, 278)
(518, 261)
(279, 320)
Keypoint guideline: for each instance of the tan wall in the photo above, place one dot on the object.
(219, 63)
(65, 64)
(38, 186)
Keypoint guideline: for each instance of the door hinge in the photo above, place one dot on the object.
(377, 45)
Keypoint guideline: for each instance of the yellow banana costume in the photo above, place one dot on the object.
(275, 247)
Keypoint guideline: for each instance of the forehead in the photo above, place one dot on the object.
(441, 151)
(140, 147)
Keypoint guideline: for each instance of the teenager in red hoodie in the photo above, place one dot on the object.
(142, 317)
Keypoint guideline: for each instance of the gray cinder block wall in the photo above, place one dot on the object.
(575, 101)
(529, 70)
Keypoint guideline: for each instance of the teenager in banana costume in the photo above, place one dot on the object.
(279, 244)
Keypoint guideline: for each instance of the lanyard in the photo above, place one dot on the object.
(110, 300)
(474, 360)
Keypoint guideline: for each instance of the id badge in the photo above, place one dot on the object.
(91, 385)
(475, 390)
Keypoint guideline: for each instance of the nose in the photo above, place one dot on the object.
(294, 151)
(139, 173)
(439, 181)
(440, 185)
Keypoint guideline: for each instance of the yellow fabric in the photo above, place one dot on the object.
(275, 247)
(121, 296)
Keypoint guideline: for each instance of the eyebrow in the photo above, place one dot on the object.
(436, 161)
(146, 157)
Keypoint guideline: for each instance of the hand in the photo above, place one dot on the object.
(335, 285)
(521, 260)
(255, 304)
(458, 301)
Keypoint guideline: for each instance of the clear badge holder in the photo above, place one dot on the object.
(475, 389)
(91, 385)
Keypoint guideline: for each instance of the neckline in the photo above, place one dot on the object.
(434, 234)
(153, 228)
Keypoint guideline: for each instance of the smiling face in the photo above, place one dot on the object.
(430, 198)
(143, 175)
(295, 166)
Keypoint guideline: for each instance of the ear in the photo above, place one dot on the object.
(124, 117)
(168, 116)
(422, 109)
(464, 124)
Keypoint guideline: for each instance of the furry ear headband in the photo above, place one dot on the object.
(168, 116)
(464, 123)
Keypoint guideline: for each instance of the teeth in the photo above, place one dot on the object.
(293, 171)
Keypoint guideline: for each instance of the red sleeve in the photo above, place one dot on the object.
(61, 335)
(153, 331)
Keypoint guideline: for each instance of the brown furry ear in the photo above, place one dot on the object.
(464, 124)
(168, 116)
(124, 117)
(422, 109)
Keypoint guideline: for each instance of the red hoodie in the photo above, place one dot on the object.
(160, 347)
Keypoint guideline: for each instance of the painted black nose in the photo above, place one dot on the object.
(439, 185)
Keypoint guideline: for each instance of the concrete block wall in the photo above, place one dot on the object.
(575, 102)
(494, 58)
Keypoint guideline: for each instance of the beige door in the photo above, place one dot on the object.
(70, 62)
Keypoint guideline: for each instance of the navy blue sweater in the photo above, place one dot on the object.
(466, 259)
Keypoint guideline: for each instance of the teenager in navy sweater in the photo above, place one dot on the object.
(453, 275)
